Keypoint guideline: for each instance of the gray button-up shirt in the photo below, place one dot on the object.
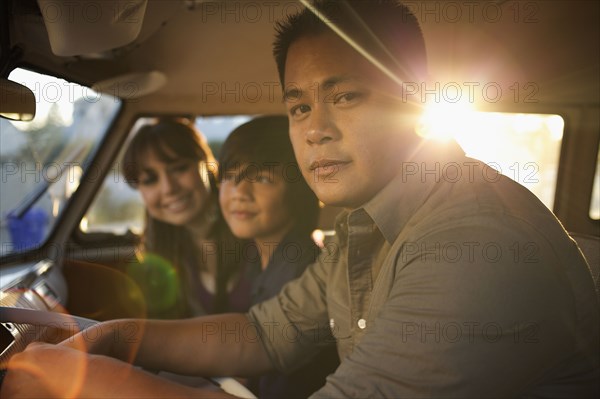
(452, 281)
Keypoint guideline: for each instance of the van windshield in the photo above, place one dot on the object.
(42, 161)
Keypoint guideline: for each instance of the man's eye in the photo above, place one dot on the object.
(347, 98)
(299, 110)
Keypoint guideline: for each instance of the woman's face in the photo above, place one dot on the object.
(173, 191)
(254, 203)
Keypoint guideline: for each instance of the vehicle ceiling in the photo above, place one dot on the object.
(554, 44)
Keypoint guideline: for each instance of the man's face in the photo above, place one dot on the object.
(348, 134)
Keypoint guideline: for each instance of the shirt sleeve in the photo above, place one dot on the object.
(491, 321)
(294, 325)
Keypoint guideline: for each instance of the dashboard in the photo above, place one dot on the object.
(31, 299)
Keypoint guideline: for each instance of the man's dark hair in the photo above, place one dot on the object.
(396, 39)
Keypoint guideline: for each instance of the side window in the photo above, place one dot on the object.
(524, 147)
(117, 208)
(42, 161)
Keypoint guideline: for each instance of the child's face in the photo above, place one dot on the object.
(253, 202)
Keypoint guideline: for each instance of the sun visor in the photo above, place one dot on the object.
(133, 85)
(80, 27)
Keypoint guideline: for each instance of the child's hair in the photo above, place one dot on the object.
(264, 143)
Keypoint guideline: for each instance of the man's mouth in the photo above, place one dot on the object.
(327, 167)
(327, 163)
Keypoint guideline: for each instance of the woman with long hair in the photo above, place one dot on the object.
(189, 258)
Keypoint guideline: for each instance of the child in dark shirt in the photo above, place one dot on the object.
(264, 198)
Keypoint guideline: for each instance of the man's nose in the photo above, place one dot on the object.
(321, 128)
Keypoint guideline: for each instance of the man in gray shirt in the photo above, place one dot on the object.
(444, 279)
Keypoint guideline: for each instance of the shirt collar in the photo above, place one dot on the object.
(341, 227)
(393, 206)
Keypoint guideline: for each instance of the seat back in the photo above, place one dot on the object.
(590, 246)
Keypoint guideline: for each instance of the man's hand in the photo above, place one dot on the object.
(85, 365)
(45, 370)
(57, 371)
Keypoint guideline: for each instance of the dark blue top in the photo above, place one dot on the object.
(291, 257)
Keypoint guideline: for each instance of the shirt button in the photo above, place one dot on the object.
(331, 324)
(362, 323)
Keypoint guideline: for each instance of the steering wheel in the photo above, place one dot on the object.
(44, 319)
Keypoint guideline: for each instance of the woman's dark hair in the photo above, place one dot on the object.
(165, 138)
(169, 138)
(264, 143)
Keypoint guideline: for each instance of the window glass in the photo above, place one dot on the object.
(43, 160)
(524, 147)
(118, 209)
(217, 128)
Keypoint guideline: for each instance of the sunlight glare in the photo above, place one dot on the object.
(524, 147)
(445, 121)
(83, 225)
(555, 125)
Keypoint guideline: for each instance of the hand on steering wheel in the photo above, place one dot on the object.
(36, 372)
